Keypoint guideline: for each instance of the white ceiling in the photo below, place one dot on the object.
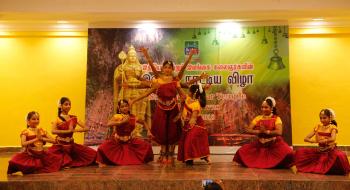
(81, 14)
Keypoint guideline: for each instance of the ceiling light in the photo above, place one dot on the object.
(62, 22)
(228, 29)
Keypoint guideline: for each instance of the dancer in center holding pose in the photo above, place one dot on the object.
(269, 150)
(122, 148)
(194, 139)
(165, 130)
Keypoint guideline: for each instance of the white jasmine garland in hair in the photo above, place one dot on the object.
(200, 87)
(272, 100)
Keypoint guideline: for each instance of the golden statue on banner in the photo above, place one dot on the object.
(128, 85)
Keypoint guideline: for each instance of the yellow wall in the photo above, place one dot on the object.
(36, 69)
(320, 78)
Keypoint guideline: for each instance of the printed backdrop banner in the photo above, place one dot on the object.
(244, 66)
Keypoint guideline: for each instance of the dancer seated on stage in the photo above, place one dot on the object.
(122, 148)
(326, 159)
(194, 139)
(269, 150)
(165, 130)
(34, 159)
(73, 155)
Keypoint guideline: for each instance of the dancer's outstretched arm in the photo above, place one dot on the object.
(115, 122)
(192, 81)
(182, 70)
(309, 139)
(150, 62)
(180, 91)
(150, 91)
(83, 127)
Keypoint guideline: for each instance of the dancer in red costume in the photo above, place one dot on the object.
(73, 154)
(122, 148)
(34, 159)
(194, 139)
(269, 150)
(326, 159)
(165, 130)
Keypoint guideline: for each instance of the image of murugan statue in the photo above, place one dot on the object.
(129, 84)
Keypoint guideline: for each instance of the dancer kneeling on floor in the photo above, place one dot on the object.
(326, 159)
(269, 150)
(121, 148)
(34, 159)
(72, 154)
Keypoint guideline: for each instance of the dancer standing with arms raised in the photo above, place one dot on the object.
(166, 86)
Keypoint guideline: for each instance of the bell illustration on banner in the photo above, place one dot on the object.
(199, 32)
(276, 62)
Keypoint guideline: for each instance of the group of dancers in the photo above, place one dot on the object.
(270, 150)
(174, 122)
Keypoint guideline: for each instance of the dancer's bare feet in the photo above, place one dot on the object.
(170, 159)
(236, 163)
(294, 169)
(19, 173)
(162, 158)
(207, 159)
(189, 162)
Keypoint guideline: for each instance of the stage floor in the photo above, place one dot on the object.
(178, 177)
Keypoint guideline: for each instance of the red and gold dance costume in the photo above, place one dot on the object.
(194, 139)
(267, 151)
(122, 148)
(165, 130)
(326, 159)
(73, 155)
(34, 159)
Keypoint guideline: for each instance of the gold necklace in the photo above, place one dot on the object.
(32, 128)
(267, 116)
(326, 126)
(65, 115)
